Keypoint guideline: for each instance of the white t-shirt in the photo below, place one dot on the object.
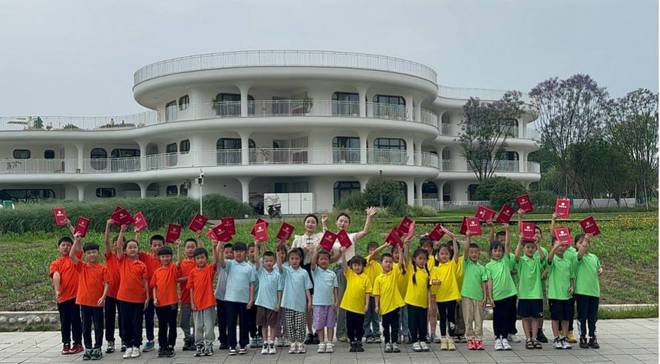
(350, 252)
(307, 241)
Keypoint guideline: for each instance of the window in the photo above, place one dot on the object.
(170, 111)
(183, 190)
(124, 153)
(472, 192)
(510, 156)
(103, 192)
(184, 101)
(389, 107)
(184, 146)
(22, 154)
(343, 189)
(389, 151)
(390, 143)
(226, 104)
(229, 150)
(346, 149)
(49, 154)
(99, 158)
(33, 194)
(345, 103)
(429, 190)
(171, 190)
(152, 149)
(171, 158)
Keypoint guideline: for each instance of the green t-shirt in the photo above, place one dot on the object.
(529, 272)
(473, 276)
(499, 272)
(587, 281)
(514, 271)
(560, 272)
(572, 252)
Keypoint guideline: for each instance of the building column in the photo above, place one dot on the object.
(81, 192)
(521, 162)
(143, 189)
(80, 148)
(521, 128)
(441, 193)
(410, 154)
(418, 152)
(440, 114)
(418, 110)
(410, 189)
(245, 188)
(363, 183)
(364, 140)
(143, 155)
(245, 147)
(418, 187)
(440, 164)
(244, 88)
(409, 107)
(362, 92)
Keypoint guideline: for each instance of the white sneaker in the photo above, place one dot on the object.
(136, 352)
(329, 347)
(417, 347)
(514, 338)
(321, 348)
(565, 344)
(557, 344)
(271, 349)
(506, 345)
(424, 346)
(498, 344)
(127, 353)
(301, 348)
(293, 348)
(264, 349)
(277, 341)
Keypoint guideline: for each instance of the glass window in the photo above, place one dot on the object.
(390, 143)
(99, 158)
(171, 158)
(228, 143)
(472, 192)
(170, 111)
(346, 149)
(49, 154)
(184, 146)
(226, 104)
(22, 154)
(124, 153)
(103, 192)
(184, 101)
(388, 99)
(346, 142)
(184, 190)
(389, 107)
(343, 189)
(171, 190)
(345, 104)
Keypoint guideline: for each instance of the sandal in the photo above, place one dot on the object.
(537, 345)
(529, 344)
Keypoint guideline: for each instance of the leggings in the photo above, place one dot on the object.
(391, 326)
(295, 323)
(354, 326)
(70, 321)
(504, 314)
(587, 308)
(447, 313)
(417, 323)
(131, 322)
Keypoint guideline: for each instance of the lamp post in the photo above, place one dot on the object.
(200, 182)
(380, 191)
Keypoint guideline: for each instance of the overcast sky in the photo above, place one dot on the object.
(78, 57)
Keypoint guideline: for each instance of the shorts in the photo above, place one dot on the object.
(530, 308)
(308, 268)
(560, 310)
(267, 317)
(324, 316)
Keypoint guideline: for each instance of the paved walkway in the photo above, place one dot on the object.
(622, 341)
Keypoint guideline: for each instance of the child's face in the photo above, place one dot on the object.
(356, 267)
(420, 260)
(269, 262)
(189, 248)
(428, 247)
(342, 223)
(156, 245)
(497, 253)
(229, 253)
(371, 250)
(310, 224)
(473, 254)
(252, 252)
(395, 255)
(537, 236)
(165, 260)
(530, 249)
(561, 248)
(132, 249)
(294, 260)
(64, 248)
(281, 254)
(501, 238)
(92, 256)
(386, 263)
(323, 261)
(443, 255)
(201, 260)
(239, 255)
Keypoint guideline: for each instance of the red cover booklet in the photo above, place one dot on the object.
(140, 222)
(563, 235)
(505, 214)
(437, 233)
(562, 207)
(285, 231)
(81, 226)
(393, 238)
(343, 238)
(484, 213)
(525, 203)
(589, 226)
(471, 224)
(173, 233)
(59, 213)
(328, 240)
(527, 230)
(121, 216)
(197, 223)
(260, 231)
(404, 226)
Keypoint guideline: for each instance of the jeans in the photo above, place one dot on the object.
(204, 324)
(70, 321)
(167, 325)
(371, 324)
(92, 315)
(391, 326)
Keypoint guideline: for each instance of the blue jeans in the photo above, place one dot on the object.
(371, 324)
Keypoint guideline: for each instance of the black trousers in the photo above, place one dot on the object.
(390, 322)
(70, 321)
(92, 315)
(587, 311)
(512, 324)
(253, 329)
(149, 320)
(130, 321)
(110, 312)
(236, 311)
(354, 326)
(221, 307)
(417, 324)
(571, 310)
(167, 325)
(447, 316)
(504, 314)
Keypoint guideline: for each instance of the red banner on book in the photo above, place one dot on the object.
(285, 231)
(328, 240)
(393, 238)
(527, 230)
(589, 226)
(121, 216)
(525, 203)
(197, 223)
(59, 213)
(484, 213)
(344, 239)
(563, 235)
(139, 221)
(81, 226)
(173, 233)
(562, 207)
(505, 214)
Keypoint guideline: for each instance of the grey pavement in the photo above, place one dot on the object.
(622, 341)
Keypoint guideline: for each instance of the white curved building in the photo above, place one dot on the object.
(259, 122)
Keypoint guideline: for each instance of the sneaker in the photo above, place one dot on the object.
(87, 355)
(76, 348)
(556, 343)
(498, 344)
(443, 344)
(161, 352)
(435, 339)
(395, 348)
(358, 347)
(253, 343)
(514, 338)
(417, 347)
(593, 343)
(264, 349)
(329, 347)
(242, 350)
(127, 353)
(315, 339)
(565, 344)
(208, 350)
(343, 339)
(308, 339)
(424, 346)
(571, 337)
(123, 348)
(170, 352)
(136, 352)
(110, 348)
(583, 343)
(427, 339)
(376, 339)
(222, 346)
(541, 337)
(277, 341)
(149, 346)
(388, 348)
(301, 348)
(293, 349)
(506, 345)
(369, 340)
(352, 348)
(260, 341)
(450, 345)
(232, 351)
(97, 354)
(66, 348)
(321, 348)
(271, 349)
(200, 351)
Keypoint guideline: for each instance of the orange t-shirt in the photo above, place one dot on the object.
(184, 268)
(201, 281)
(132, 274)
(152, 263)
(90, 283)
(164, 280)
(68, 277)
(112, 265)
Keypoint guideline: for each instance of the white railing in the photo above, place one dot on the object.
(283, 58)
(387, 156)
(168, 160)
(507, 166)
(459, 204)
(464, 93)
(346, 155)
(55, 123)
(280, 156)
(446, 129)
(533, 167)
(429, 159)
(32, 166)
(429, 117)
(381, 110)
(111, 165)
(229, 157)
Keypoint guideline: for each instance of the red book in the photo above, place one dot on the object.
(328, 240)
(173, 233)
(437, 233)
(525, 203)
(198, 222)
(260, 231)
(484, 213)
(562, 207)
(404, 226)
(285, 231)
(343, 238)
(140, 222)
(59, 213)
(228, 223)
(81, 226)
(220, 233)
(505, 214)
(473, 225)
(393, 238)
(211, 235)
(527, 230)
(122, 216)
(563, 235)
(589, 226)
(255, 224)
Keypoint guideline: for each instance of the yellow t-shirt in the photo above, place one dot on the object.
(385, 286)
(417, 293)
(430, 263)
(447, 289)
(358, 287)
(373, 270)
(459, 274)
(402, 280)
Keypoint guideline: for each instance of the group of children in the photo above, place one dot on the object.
(291, 295)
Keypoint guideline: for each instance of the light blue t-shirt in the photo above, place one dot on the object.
(325, 281)
(268, 284)
(293, 286)
(221, 284)
(239, 277)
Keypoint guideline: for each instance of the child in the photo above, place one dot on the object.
(221, 305)
(432, 315)
(325, 299)
(239, 295)
(373, 269)
(530, 289)
(445, 291)
(254, 331)
(152, 262)
(133, 294)
(561, 278)
(402, 284)
(418, 296)
(502, 290)
(111, 308)
(473, 294)
(202, 302)
(356, 299)
(166, 301)
(295, 299)
(283, 339)
(388, 300)
(93, 286)
(64, 277)
(184, 266)
(267, 303)
(570, 252)
(587, 292)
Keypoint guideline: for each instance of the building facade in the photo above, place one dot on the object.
(317, 123)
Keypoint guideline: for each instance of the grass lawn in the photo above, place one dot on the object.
(627, 247)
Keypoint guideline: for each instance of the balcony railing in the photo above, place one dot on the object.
(387, 156)
(533, 167)
(430, 159)
(229, 157)
(32, 166)
(280, 156)
(346, 156)
(111, 165)
(381, 110)
(429, 117)
(70, 123)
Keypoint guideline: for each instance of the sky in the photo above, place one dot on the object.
(78, 57)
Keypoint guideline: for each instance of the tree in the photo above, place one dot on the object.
(569, 112)
(505, 191)
(485, 129)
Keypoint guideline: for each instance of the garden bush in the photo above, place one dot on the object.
(499, 190)
(353, 202)
(543, 198)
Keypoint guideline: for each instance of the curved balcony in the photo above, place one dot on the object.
(283, 58)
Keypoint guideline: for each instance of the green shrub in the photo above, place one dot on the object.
(543, 198)
(505, 191)
(397, 206)
(389, 192)
(485, 188)
(422, 211)
(353, 202)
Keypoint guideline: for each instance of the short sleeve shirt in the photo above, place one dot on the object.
(587, 281)
(499, 272)
(268, 284)
(294, 284)
(418, 288)
(91, 282)
(307, 242)
(68, 277)
(529, 273)
(184, 268)
(474, 274)
(446, 289)
(112, 265)
(386, 288)
(164, 280)
(239, 277)
(325, 282)
(373, 269)
(357, 289)
(350, 251)
(560, 272)
(200, 281)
